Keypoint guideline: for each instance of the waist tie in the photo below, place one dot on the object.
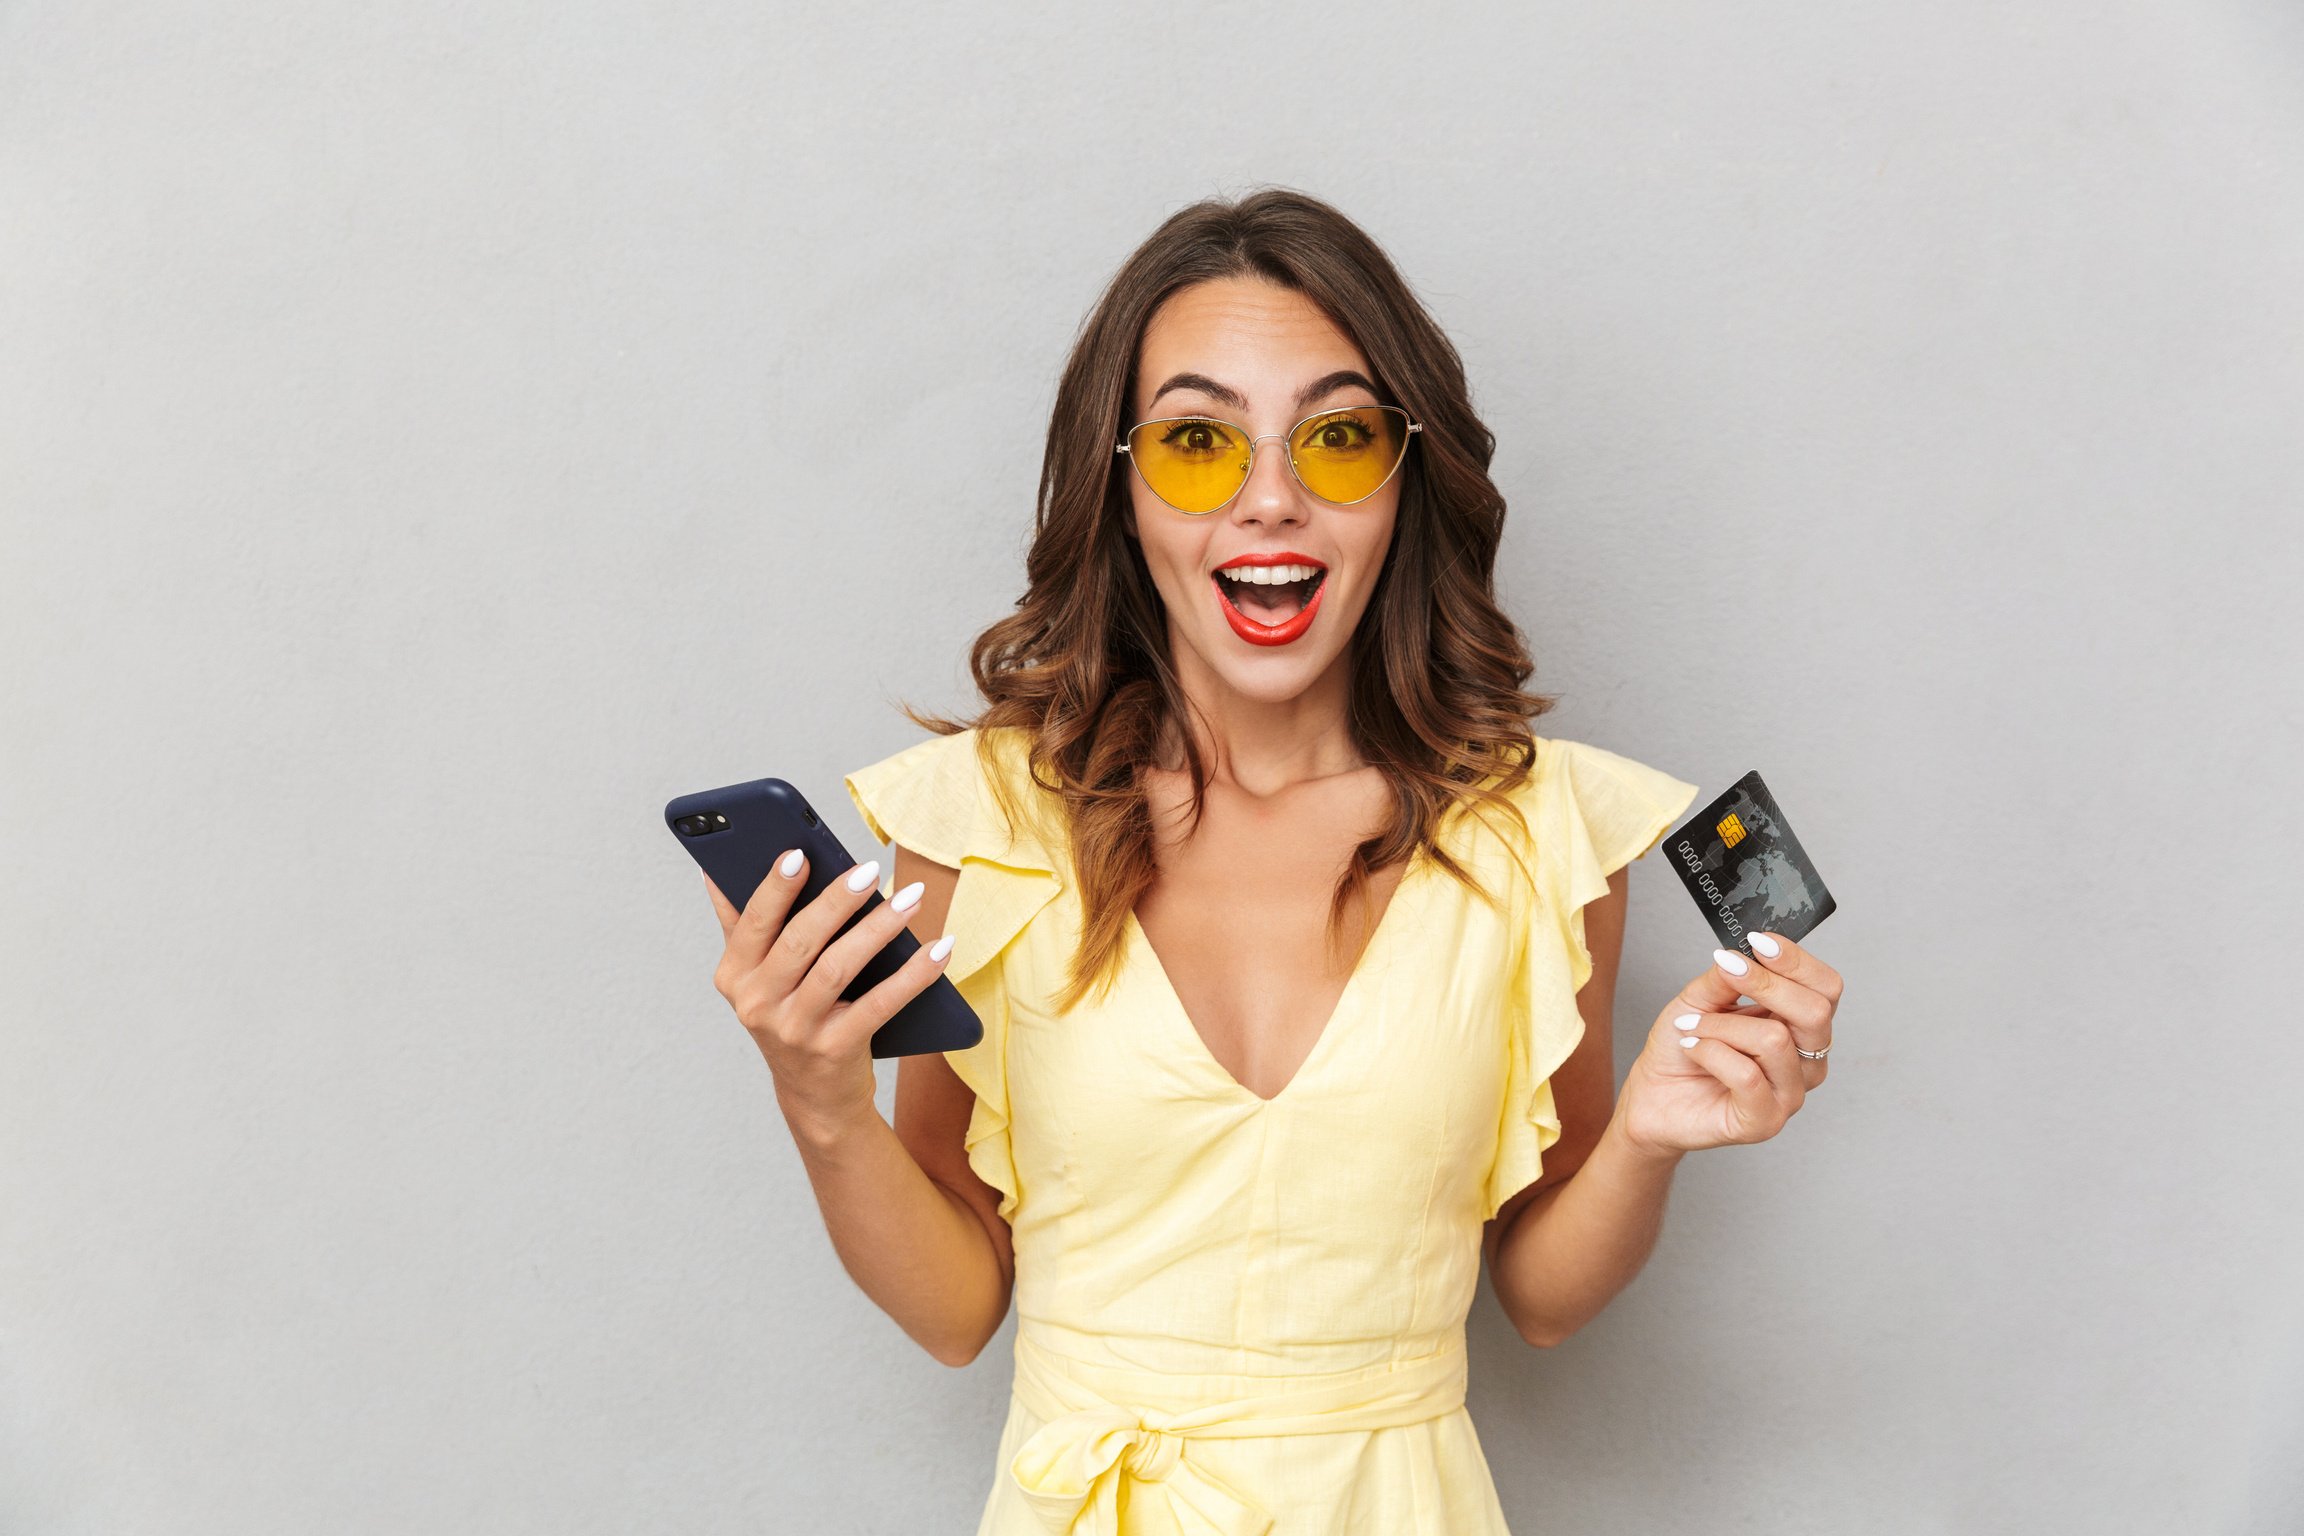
(1092, 1439)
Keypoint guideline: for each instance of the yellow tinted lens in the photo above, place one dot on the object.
(1347, 455)
(1194, 464)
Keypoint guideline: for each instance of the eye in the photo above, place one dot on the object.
(1196, 436)
(1337, 434)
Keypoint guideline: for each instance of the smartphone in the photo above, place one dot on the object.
(736, 835)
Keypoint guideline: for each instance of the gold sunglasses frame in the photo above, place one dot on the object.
(1121, 447)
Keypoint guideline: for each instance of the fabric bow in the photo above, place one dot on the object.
(1092, 1457)
(1071, 1468)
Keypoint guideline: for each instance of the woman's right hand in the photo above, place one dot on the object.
(783, 972)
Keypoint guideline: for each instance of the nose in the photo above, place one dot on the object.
(1270, 498)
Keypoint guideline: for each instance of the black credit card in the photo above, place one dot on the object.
(1747, 871)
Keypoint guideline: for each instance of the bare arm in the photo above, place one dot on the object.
(1560, 1250)
(914, 1227)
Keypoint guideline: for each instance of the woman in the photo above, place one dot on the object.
(1295, 948)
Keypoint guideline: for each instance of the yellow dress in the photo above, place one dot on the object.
(1238, 1315)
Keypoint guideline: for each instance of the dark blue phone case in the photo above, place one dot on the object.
(738, 834)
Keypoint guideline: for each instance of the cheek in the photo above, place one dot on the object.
(1368, 558)
(1172, 553)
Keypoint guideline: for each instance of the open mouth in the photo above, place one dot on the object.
(1270, 604)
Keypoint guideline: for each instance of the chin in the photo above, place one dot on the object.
(1273, 680)
(1265, 674)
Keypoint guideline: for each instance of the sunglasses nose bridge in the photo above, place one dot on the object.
(1248, 464)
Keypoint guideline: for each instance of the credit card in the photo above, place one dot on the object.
(1747, 871)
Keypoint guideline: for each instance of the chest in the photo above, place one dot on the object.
(1126, 1120)
(1238, 916)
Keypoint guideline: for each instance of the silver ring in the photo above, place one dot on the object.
(1814, 1055)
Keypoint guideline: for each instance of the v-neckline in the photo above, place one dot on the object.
(1197, 1043)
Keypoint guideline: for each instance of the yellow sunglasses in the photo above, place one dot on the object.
(1196, 464)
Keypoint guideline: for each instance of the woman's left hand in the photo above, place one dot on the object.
(1742, 1079)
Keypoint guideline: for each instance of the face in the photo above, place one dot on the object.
(1246, 351)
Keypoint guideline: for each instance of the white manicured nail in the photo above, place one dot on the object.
(938, 950)
(909, 897)
(863, 874)
(1731, 962)
(1765, 944)
(1688, 1040)
(1687, 1021)
(790, 865)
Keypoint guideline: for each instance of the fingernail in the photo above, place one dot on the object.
(790, 864)
(1765, 944)
(1688, 1041)
(909, 897)
(1687, 1021)
(863, 874)
(938, 950)
(1731, 962)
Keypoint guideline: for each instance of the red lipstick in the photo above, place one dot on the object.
(1274, 557)
(1295, 625)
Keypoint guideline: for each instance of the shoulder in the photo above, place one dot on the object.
(1584, 812)
(949, 797)
(923, 797)
(1617, 806)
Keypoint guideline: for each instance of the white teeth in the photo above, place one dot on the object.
(1272, 575)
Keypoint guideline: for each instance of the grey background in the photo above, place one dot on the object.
(432, 436)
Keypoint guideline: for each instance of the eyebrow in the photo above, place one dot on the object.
(1325, 385)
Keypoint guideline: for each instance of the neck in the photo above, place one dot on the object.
(1264, 745)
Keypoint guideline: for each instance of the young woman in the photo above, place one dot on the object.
(1295, 948)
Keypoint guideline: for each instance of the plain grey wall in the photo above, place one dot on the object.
(432, 436)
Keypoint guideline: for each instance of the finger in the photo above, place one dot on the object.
(1766, 1041)
(852, 951)
(1713, 990)
(1802, 1007)
(810, 929)
(1780, 955)
(858, 1022)
(763, 915)
(1752, 1099)
(722, 907)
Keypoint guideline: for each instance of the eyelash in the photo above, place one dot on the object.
(1177, 429)
(1342, 413)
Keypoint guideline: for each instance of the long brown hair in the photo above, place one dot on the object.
(1082, 666)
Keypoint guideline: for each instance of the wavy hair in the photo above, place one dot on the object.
(1436, 666)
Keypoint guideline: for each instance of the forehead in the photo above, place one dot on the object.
(1263, 340)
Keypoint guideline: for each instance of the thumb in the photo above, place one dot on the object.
(1717, 987)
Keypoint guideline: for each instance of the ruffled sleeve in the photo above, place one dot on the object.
(1590, 812)
(933, 798)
